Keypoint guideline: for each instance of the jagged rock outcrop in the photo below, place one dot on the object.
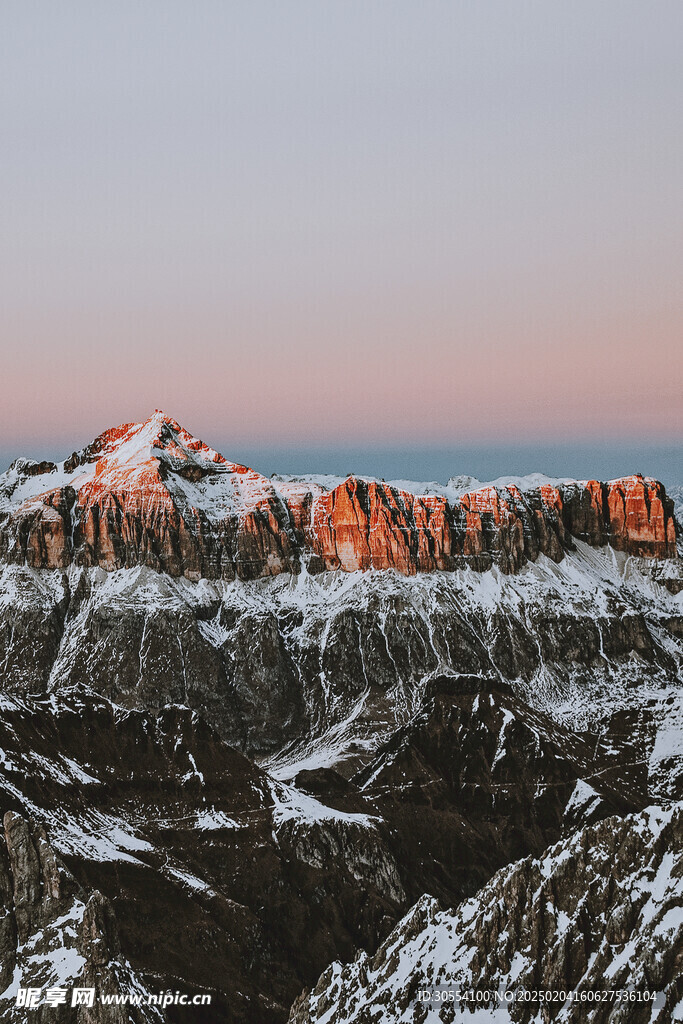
(599, 911)
(632, 515)
(147, 494)
(56, 935)
(152, 494)
(480, 779)
(222, 880)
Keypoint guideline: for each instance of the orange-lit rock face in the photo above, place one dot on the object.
(632, 515)
(369, 525)
(638, 520)
(152, 494)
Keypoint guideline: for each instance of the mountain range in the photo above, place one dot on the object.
(248, 723)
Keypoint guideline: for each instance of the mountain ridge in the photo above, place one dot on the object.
(153, 494)
(599, 910)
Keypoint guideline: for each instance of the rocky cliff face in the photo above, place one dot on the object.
(632, 515)
(55, 934)
(601, 910)
(147, 494)
(152, 494)
(324, 667)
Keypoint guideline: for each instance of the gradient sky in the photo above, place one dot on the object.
(342, 224)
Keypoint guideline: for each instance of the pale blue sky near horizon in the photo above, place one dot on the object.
(379, 224)
(436, 462)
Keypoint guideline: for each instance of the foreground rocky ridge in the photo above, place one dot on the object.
(54, 934)
(266, 883)
(480, 779)
(152, 494)
(222, 880)
(601, 910)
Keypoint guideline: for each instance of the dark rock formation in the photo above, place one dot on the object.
(599, 911)
(480, 779)
(54, 934)
(222, 880)
(265, 884)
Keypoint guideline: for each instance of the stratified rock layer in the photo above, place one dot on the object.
(152, 494)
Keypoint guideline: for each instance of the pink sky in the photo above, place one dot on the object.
(611, 374)
(388, 222)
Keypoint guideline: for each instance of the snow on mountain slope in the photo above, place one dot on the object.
(676, 494)
(222, 879)
(601, 910)
(146, 463)
(312, 669)
(269, 881)
(478, 779)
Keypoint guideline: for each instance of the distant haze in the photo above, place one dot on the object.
(358, 226)
(438, 462)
